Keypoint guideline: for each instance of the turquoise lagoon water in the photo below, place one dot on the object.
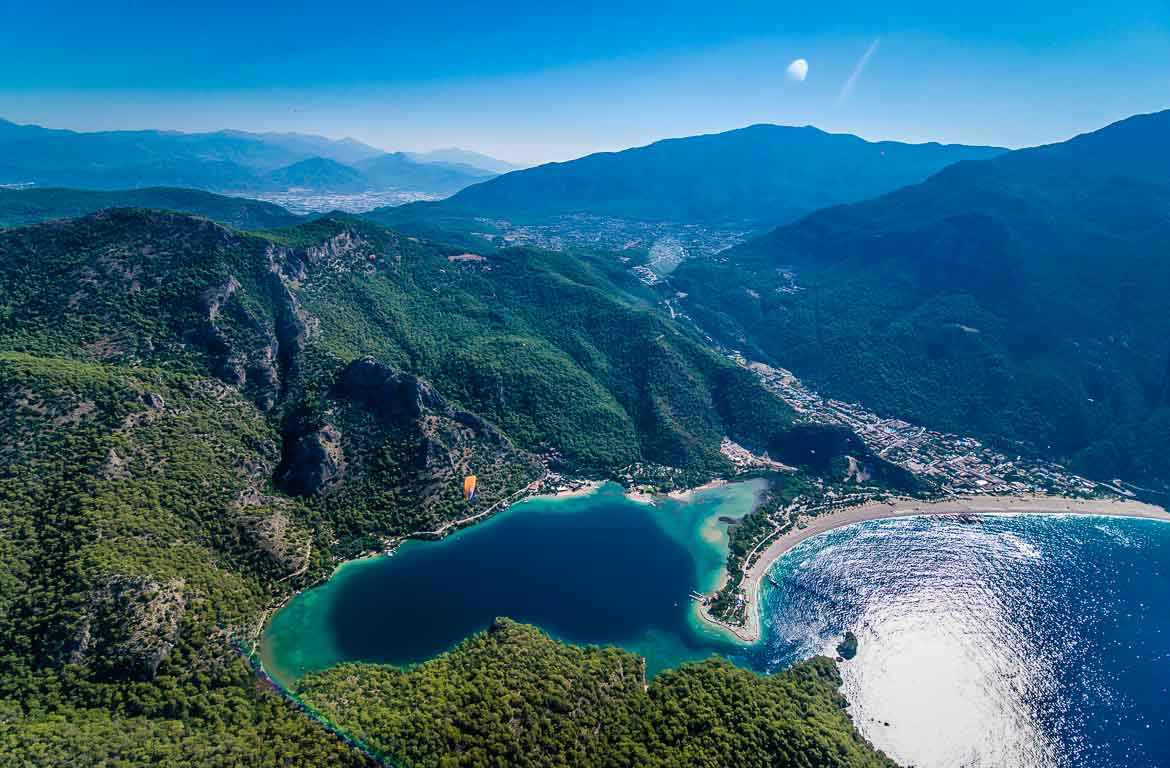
(1023, 641)
(589, 569)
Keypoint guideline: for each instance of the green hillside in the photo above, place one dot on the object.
(200, 421)
(1021, 298)
(511, 696)
(30, 206)
(545, 345)
(137, 533)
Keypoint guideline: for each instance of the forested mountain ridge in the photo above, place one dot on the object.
(30, 206)
(756, 177)
(1021, 297)
(256, 311)
(201, 420)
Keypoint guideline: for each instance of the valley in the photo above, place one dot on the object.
(990, 300)
(308, 201)
(666, 244)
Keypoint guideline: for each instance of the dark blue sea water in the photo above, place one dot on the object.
(1021, 641)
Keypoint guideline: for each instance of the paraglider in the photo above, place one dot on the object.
(469, 484)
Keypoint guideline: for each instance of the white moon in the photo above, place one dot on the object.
(798, 70)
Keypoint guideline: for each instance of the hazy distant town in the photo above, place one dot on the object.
(306, 201)
(667, 243)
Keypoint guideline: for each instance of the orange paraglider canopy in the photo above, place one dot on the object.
(469, 483)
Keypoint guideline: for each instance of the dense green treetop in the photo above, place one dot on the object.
(512, 696)
(137, 534)
(198, 421)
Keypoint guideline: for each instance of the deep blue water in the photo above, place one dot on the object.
(1022, 641)
(599, 569)
(556, 570)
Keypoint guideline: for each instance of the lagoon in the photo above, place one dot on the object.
(1037, 641)
(600, 568)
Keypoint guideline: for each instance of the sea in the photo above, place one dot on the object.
(1022, 641)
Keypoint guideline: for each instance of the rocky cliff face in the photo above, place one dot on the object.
(313, 461)
(400, 397)
(390, 435)
(211, 301)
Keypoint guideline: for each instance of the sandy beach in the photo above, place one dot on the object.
(583, 488)
(828, 521)
(688, 495)
(587, 487)
(640, 497)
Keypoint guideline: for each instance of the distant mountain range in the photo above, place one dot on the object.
(1022, 297)
(347, 151)
(441, 177)
(462, 157)
(754, 177)
(319, 173)
(223, 161)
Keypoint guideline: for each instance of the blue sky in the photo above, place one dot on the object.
(531, 81)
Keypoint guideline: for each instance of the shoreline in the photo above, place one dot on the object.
(640, 497)
(749, 633)
(568, 489)
(688, 494)
(562, 488)
(389, 545)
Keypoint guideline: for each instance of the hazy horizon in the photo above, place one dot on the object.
(520, 164)
(414, 150)
(533, 85)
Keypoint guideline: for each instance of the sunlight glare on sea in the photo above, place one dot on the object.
(1023, 641)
